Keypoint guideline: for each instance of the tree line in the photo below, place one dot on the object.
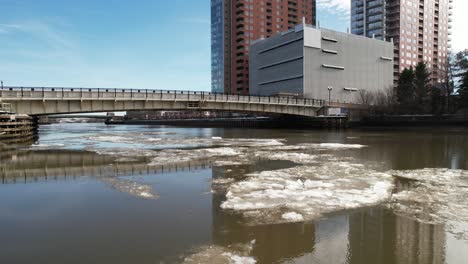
(416, 94)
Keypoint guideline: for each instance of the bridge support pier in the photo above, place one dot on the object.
(17, 128)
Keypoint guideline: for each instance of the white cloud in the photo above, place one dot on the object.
(341, 7)
(460, 20)
(6, 28)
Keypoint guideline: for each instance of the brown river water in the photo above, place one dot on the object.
(90, 193)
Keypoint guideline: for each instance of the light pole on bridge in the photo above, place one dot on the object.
(330, 88)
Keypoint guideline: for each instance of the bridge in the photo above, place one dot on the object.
(38, 101)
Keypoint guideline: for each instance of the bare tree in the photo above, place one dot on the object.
(365, 97)
(384, 101)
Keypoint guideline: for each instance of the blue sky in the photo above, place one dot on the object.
(88, 43)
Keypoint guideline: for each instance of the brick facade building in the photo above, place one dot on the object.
(235, 24)
(420, 30)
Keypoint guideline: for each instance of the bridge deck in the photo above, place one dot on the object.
(50, 100)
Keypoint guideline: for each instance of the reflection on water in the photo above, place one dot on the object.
(70, 205)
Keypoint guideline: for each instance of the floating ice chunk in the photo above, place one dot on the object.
(124, 152)
(47, 145)
(236, 259)
(235, 254)
(439, 175)
(293, 217)
(284, 147)
(110, 139)
(253, 142)
(147, 195)
(336, 146)
(221, 151)
(217, 138)
(317, 184)
(308, 190)
(229, 163)
(132, 188)
(435, 196)
(223, 180)
(290, 156)
(222, 156)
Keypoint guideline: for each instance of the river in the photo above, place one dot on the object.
(90, 193)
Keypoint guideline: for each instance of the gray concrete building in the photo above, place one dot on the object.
(320, 64)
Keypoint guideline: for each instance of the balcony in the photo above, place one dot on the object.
(393, 26)
(394, 4)
(393, 19)
(374, 4)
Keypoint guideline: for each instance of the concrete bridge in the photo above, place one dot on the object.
(37, 101)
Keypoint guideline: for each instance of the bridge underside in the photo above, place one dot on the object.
(52, 107)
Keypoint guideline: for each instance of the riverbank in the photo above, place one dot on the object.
(414, 120)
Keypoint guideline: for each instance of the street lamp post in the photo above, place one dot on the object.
(330, 88)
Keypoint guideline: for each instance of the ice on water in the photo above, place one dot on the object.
(323, 182)
(436, 196)
(307, 192)
(132, 188)
(234, 254)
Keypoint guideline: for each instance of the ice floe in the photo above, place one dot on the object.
(147, 138)
(116, 139)
(434, 196)
(234, 254)
(123, 152)
(336, 146)
(292, 216)
(48, 146)
(229, 163)
(290, 156)
(219, 154)
(132, 188)
(311, 191)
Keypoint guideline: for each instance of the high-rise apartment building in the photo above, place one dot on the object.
(237, 23)
(420, 30)
(368, 18)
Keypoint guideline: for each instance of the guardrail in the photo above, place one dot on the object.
(53, 93)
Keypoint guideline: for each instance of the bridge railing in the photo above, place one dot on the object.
(31, 93)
